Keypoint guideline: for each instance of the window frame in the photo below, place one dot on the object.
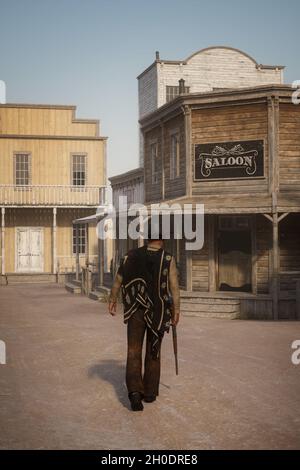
(80, 226)
(28, 154)
(174, 162)
(79, 154)
(154, 161)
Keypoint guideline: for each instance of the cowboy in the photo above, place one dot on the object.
(147, 277)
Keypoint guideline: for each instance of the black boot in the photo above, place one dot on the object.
(136, 401)
(149, 398)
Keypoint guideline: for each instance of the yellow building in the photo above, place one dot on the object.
(52, 171)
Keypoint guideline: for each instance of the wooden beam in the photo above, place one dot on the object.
(283, 216)
(211, 253)
(54, 249)
(268, 216)
(254, 254)
(2, 240)
(87, 245)
(77, 252)
(188, 149)
(276, 268)
(298, 299)
(162, 129)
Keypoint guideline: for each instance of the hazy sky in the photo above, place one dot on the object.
(89, 52)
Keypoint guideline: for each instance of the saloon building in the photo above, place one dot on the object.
(234, 147)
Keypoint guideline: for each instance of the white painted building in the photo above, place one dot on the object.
(208, 69)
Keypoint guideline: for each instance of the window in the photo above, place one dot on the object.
(81, 239)
(174, 157)
(234, 223)
(129, 193)
(78, 170)
(22, 169)
(173, 91)
(154, 162)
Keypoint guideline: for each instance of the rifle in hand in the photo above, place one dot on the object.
(174, 334)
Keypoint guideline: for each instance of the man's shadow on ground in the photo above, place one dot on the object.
(113, 372)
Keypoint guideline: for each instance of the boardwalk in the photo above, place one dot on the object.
(63, 384)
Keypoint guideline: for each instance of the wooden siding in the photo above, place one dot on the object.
(153, 192)
(245, 122)
(174, 187)
(51, 160)
(48, 120)
(289, 147)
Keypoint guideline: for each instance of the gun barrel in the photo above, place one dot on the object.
(174, 332)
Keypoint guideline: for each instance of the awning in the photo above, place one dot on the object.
(101, 212)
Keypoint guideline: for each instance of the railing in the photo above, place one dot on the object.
(51, 195)
(67, 264)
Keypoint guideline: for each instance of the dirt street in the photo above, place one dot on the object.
(63, 384)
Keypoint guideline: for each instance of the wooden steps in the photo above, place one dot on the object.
(213, 306)
(101, 293)
(74, 287)
(20, 278)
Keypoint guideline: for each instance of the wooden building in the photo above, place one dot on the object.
(52, 171)
(212, 68)
(131, 186)
(237, 151)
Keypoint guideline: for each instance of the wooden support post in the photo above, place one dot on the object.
(77, 252)
(141, 240)
(189, 268)
(162, 128)
(101, 263)
(87, 245)
(211, 253)
(87, 271)
(188, 148)
(54, 249)
(254, 254)
(3, 240)
(298, 299)
(275, 270)
(273, 136)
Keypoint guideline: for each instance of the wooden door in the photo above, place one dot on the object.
(29, 249)
(235, 260)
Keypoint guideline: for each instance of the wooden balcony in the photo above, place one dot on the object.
(51, 195)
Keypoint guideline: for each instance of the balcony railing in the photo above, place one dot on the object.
(52, 195)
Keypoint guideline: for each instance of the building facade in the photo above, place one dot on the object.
(236, 151)
(131, 186)
(206, 70)
(52, 171)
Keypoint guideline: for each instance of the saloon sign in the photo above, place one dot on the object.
(226, 160)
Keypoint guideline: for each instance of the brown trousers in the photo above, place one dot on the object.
(148, 383)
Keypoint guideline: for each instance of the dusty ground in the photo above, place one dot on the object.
(63, 385)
